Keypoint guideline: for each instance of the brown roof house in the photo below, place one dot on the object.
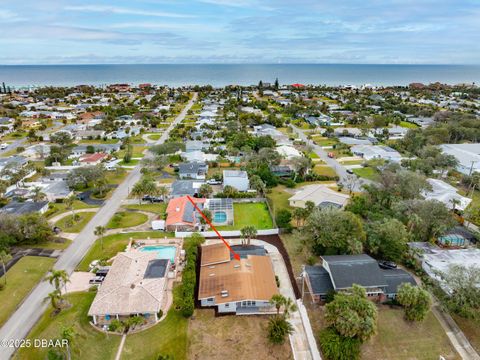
(136, 284)
(242, 286)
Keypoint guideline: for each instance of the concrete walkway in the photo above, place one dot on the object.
(302, 348)
(120, 347)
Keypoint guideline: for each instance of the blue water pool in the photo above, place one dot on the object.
(164, 252)
(220, 217)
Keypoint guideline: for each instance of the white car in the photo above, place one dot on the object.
(3, 146)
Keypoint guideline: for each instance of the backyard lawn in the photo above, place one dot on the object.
(366, 172)
(21, 279)
(88, 343)
(399, 339)
(231, 337)
(278, 198)
(113, 244)
(75, 227)
(250, 214)
(324, 141)
(169, 337)
(125, 219)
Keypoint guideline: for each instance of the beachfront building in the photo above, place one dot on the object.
(135, 285)
(242, 286)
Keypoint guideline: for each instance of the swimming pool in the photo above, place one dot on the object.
(164, 252)
(220, 217)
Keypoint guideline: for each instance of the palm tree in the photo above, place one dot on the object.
(58, 278)
(277, 300)
(37, 194)
(454, 203)
(5, 258)
(278, 329)
(248, 232)
(163, 192)
(99, 232)
(288, 307)
(55, 298)
(299, 215)
(69, 205)
(138, 191)
(205, 190)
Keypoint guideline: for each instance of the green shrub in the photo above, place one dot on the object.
(336, 347)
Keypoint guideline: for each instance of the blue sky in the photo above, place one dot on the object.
(240, 31)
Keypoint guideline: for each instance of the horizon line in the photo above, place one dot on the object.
(228, 64)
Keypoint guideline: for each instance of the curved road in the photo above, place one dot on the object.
(27, 314)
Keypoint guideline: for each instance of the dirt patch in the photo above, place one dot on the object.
(232, 337)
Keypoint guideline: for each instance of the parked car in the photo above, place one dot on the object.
(331, 155)
(97, 280)
(152, 198)
(3, 146)
(213, 182)
(387, 264)
(349, 171)
(102, 272)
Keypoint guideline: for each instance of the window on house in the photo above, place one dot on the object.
(227, 305)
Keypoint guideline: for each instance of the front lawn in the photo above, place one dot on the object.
(324, 141)
(132, 162)
(169, 337)
(88, 343)
(125, 219)
(113, 244)
(278, 198)
(157, 208)
(366, 172)
(66, 224)
(324, 170)
(58, 208)
(154, 137)
(250, 214)
(408, 125)
(21, 279)
(400, 339)
(232, 337)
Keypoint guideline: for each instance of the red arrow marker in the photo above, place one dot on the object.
(235, 255)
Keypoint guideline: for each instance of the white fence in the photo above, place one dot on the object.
(230, 233)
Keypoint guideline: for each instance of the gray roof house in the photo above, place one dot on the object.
(192, 170)
(20, 208)
(185, 187)
(340, 272)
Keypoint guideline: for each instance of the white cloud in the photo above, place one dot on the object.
(125, 11)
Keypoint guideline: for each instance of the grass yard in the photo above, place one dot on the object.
(157, 208)
(77, 226)
(294, 247)
(278, 198)
(366, 172)
(125, 219)
(169, 337)
(351, 162)
(137, 152)
(154, 137)
(231, 337)
(132, 162)
(250, 214)
(324, 141)
(113, 244)
(324, 170)
(88, 343)
(58, 208)
(21, 279)
(471, 329)
(402, 340)
(116, 177)
(408, 125)
(313, 155)
(55, 244)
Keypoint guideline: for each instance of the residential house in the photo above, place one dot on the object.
(194, 145)
(186, 187)
(80, 150)
(135, 285)
(89, 134)
(57, 190)
(340, 272)
(93, 159)
(242, 286)
(193, 170)
(288, 152)
(237, 179)
(27, 207)
(467, 155)
(369, 152)
(446, 194)
(282, 170)
(182, 215)
(321, 195)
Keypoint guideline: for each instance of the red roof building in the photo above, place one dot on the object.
(181, 214)
(93, 159)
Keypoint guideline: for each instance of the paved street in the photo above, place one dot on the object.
(20, 323)
(339, 168)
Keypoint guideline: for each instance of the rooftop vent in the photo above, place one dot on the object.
(212, 274)
(224, 293)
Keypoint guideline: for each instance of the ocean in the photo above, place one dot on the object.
(221, 74)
